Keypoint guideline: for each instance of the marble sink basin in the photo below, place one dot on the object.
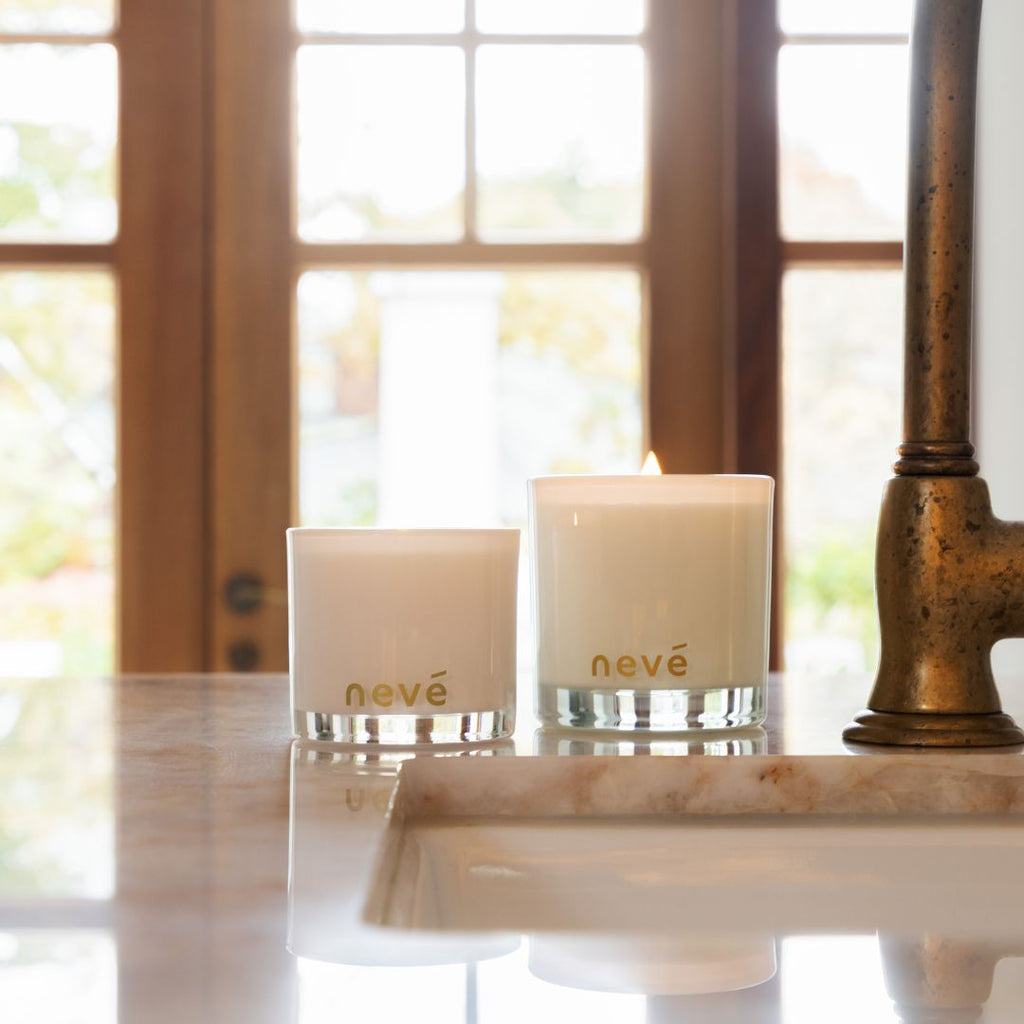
(890, 842)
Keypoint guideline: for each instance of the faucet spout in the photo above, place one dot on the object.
(949, 575)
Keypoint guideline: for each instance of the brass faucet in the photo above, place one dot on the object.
(949, 575)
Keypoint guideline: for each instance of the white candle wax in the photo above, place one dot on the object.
(651, 583)
(392, 626)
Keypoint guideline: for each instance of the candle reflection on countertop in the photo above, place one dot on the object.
(339, 801)
(574, 742)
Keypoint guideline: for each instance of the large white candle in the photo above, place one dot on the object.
(402, 635)
(651, 599)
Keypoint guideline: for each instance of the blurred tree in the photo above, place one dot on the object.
(56, 463)
(47, 169)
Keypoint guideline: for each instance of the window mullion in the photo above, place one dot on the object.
(161, 268)
(469, 192)
(845, 252)
(33, 254)
(472, 253)
(57, 38)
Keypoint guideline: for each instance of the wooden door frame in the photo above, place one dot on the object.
(161, 269)
(204, 395)
(757, 264)
(251, 481)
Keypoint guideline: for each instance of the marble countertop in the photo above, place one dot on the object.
(167, 853)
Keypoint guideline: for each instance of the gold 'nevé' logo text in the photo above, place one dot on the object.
(629, 666)
(384, 695)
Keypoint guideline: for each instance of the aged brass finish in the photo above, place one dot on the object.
(949, 575)
(940, 240)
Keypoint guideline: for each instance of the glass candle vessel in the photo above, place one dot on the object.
(651, 600)
(402, 636)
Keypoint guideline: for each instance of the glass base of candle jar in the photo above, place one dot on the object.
(404, 730)
(728, 707)
(624, 742)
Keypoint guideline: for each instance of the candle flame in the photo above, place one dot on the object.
(651, 466)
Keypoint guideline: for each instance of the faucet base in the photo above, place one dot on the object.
(933, 730)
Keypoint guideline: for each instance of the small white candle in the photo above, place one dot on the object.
(402, 635)
(651, 599)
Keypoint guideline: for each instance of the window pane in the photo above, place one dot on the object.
(431, 397)
(380, 15)
(841, 16)
(594, 17)
(58, 137)
(560, 141)
(56, 15)
(381, 142)
(842, 358)
(56, 473)
(843, 126)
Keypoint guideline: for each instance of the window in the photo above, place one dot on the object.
(450, 344)
(58, 309)
(249, 224)
(842, 122)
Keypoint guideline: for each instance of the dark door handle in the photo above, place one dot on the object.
(243, 593)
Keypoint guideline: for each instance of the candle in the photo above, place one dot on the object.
(402, 636)
(651, 600)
